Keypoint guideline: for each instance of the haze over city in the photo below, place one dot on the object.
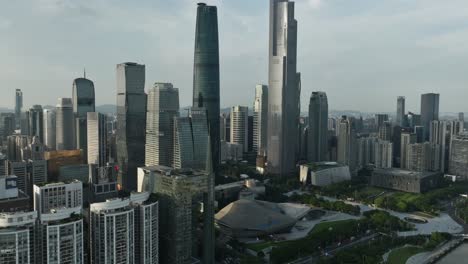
(362, 53)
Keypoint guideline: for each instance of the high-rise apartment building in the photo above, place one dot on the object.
(439, 135)
(163, 108)
(383, 154)
(49, 128)
(96, 138)
(190, 135)
(458, 164)
(317, 139)
(284, 89)
(429, 111)
(133, 237)
(385, 131)
(18, 106)
(239, 126)
(406, 139)
(225, 127)
(131, 122)
(64, 125)
(17, 237)
(380, 119)
(461, 117)
(423, 157)
(400, 113)
(346, 151)
(366, 151)
(260, 119)
(206, 79)
(83, 102)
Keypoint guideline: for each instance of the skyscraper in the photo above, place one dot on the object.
(49, 128)
(380, 119)
(406, 139)
(383, 154)
(64, 125)
(459, 156)
(36, 119)
(17, 237)
(18, 106)
(206, 74)
(346, 151)
(284, 89)
(163, 108)
(461, 117)
(83, 102)
(97, 138)
(131, 122)
(439, 134)
(239, 126)
(318, 128)
(429, 111)
(400, 113)
(260, 111)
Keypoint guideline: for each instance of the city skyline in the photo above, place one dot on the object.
(341, 70)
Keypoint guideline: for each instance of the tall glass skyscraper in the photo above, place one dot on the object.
(206, 73)
(260, 118)
(163, 108)
(97, 138)
(318, 128)
(36, 126)
(429, 111)
(400, 114)
(131, 122)
(49, 128)
(18, 106)
(64, 124)
(83, 102)
(284, 89)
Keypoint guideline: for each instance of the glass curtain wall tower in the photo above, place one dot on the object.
(83, 102)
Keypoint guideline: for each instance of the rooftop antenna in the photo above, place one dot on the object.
(84, 73)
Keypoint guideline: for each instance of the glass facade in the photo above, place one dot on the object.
(318, 128)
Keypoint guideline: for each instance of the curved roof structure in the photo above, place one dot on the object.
(251, 218)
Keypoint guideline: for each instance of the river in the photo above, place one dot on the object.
(458, 255)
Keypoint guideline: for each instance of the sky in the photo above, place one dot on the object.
(362, 53)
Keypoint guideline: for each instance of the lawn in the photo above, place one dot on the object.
(335, 225)
(401, 255)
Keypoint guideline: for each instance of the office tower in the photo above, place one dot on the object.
(346, 151)
(49, 128)
(458, 164)
(318, 128)
(131, 122)
(400, 113)
(406, 139)
(190, 134)
(36, 126)
(17, 237)
(385, 131)
(177, 191)
(260, 112)
(250, 127)
(456, 127)
(3, 165)
(461, 117)
(224, 127)
(24, 123)
(133, 237)
(83, 102)
(20, 170)
(163, 107)
(18, 106)
(302, 139)
(97, 138)
(284, 89)
(60, 228)
(383, 154)
(7, 125)
(16, 143)
(206, 75)
(366, 151)
(239, 126)
(59, 159)
(103, 182)
(439, 135)
(64, 125)
(419, 131)
(37, 171)
(429, 111)
(423, 157)
(380, 119)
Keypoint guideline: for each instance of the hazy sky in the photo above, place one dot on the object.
(362, 53)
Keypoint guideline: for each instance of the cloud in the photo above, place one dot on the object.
(315, 3)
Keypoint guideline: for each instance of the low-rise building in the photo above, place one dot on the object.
(324, 173)
(405, 180)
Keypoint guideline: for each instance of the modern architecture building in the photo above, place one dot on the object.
(225, 127)
(11, 198)
(190, 135)
(439, 135)
(383, 151)
(17, 240)
(385, 131)
(429, 111)
(64, 125)
(406, 139)
(461, 117)
(239, 126)
(96, 138)
(59, 159)
(83, 102)
(131, 122)
(346, 150)
(423, 157)
(283, 89)
(400, 113)
(163, 108)
(18, 106)
(49, 118)
(125, 230)
(36, 125)
(458, 164)
(260, 119)
(366, 151)
(317, 138)
(323, 173)
(405, 180)
(206, 90)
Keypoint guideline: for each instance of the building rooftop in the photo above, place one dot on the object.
(406, 173)
(318, 166)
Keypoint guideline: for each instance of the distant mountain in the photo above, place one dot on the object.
(107, 109)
